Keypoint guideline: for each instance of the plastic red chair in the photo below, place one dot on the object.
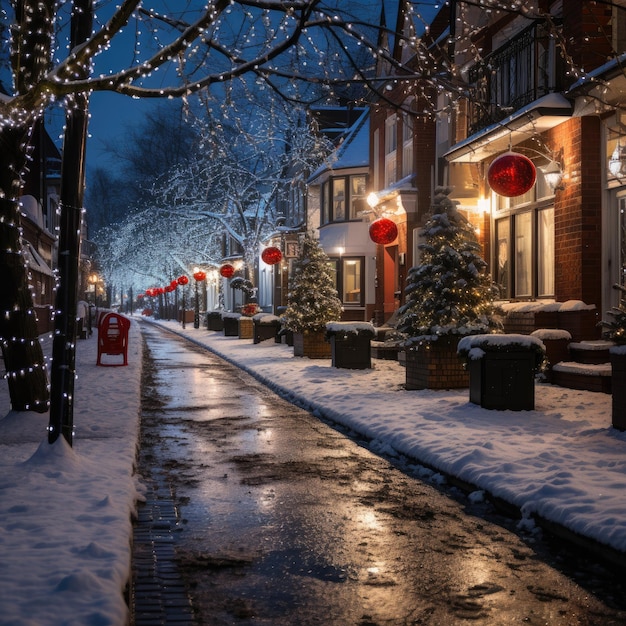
(113, 338)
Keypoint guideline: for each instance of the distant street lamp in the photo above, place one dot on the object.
(199, 275)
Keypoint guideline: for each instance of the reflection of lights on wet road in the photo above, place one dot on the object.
(369, 519)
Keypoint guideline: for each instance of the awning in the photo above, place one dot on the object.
(537, 117)
(36, 262)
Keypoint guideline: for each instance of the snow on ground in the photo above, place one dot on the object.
(65, 512)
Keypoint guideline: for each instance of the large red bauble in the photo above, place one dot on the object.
(199, 275)
(511, 174)
(271, 255)
(182, 280)
(383, 231)
(173, 285)
(227, 270)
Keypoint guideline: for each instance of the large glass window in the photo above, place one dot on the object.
(523, 255)
(325, 213)
(407, 145)
(545, 252)
(502, 265)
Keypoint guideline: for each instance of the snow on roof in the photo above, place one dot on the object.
(353, 151)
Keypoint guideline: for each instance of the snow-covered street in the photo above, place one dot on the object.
(65, 512)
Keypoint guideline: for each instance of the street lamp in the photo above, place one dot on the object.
(199, 275)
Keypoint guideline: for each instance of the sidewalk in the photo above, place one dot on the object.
(65, 513)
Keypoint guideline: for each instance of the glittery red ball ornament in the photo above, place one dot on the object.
(271, 255)
(511, 174)
(383, 231)
(173, 285)
(227, 270)
(182, 280)
(199, 275)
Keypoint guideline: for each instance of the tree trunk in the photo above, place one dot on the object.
(23, 356)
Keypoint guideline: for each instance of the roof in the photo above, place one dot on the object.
(353, 151)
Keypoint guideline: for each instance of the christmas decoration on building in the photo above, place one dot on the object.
(511, 174)
(227, 270)
(182, 280)
(199, 275)
(271, 255)
(383, 231)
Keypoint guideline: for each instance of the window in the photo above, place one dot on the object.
(524, 254)
(358, 186)
(343, 198)
(339, 200)
(349, 280)
(391, 142)
(407, 145)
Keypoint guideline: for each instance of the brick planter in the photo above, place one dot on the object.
(435, 365)
(312, 345)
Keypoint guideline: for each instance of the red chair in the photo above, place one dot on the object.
(113, 337)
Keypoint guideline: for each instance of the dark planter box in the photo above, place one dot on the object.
(263, 331)
(351, 352)
(618, 390)
(503, 380)
(231, 326)
(214, 321)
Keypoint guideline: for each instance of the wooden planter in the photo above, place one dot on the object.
(351, 352)
(214, 321)
(312, 345)
(231, 326)
(246, 327)
(435, 365)
(618, 389)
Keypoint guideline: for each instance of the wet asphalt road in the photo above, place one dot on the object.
(287, 521)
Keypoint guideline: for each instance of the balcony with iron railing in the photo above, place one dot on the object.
(520, 72)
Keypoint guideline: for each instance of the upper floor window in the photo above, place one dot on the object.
(407, 145)
(520, 72)
(391, 145)
(343, 198)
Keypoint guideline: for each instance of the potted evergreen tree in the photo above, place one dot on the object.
(448, 295)
(312, 301)
(615, 331)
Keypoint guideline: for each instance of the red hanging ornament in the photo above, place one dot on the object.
(271, 255)
(199, 275)
(227, 270)
(383, 231)
(173, 285)
(182, 280)
(511, 174)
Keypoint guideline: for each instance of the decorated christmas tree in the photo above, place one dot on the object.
(312, 299)
(449, 291)
(614, 328)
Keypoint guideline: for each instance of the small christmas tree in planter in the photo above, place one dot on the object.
(312, 301)
(448, 295)
(615, 330)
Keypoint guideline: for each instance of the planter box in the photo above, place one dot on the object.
(618, 390)
(311, 345)
(214, 321)
(351, 352)
(504, 380)
(435, 365)
(231, 326)
(265, 330)
(246, 327)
